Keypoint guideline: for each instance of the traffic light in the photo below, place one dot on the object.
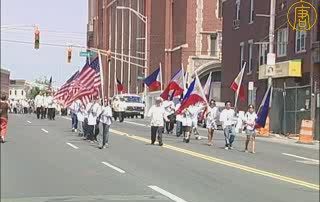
(36, 39)
(69, 51)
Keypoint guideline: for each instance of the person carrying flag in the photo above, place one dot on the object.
(187, 124)
(250, 122)
(228, 119)
(211, 115)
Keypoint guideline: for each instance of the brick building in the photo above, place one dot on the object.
(5, 81)
(179, 32)
(245, 34)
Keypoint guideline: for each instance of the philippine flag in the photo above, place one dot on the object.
(153, 81)
(237, 86)
(194, 95)
(264, 109)
(176, 85)
(207, 86)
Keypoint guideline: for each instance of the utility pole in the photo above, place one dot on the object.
(271, 57)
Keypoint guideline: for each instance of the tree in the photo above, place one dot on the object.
(33, 92)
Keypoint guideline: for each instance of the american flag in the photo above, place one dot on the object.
(62, 93)
(87, 84)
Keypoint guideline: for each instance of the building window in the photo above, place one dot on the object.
(213, 44)
(10, 92)
(241, 54)
(300, 41)
(282, 42)
(263, 51)
(251, 12)
(238, 10)
(15, 92)
(220, 9)
(250, 45)
(22, 92)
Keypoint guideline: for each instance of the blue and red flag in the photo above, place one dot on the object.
(153, 81)
(120, 86)
(176, 85)
(264, 109)
(194, 95)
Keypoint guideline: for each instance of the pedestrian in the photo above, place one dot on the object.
(250, 122)
(74, 108)
(45, 106)
(38, 103)
(106, 120)
(228, 120)
(195, 110)
(80, 117)
(51, 108)
(157, 115)
(4, 108)
(211, 115)
(186, 124)
(93, 109)
(179, 118)
(170, 113)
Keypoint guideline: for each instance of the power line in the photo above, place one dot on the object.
(46, 44)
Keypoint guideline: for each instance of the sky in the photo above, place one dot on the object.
(60, 22)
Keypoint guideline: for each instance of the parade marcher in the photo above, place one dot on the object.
(38, 104)
(179, 118)
(228, 120)
(4, 108)
(250, 122)
(186, 124)
(74, 108)
(211, 115)
(51, 109)
(45, 106)
(25, 106)
(170, 113)
(119, 109)
(106, 120)
(195, 110)
(157, 114)
(93, 109)
(81, 115)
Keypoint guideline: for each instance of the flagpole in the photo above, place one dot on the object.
(101, 76)
(239, 86)
(161, 88)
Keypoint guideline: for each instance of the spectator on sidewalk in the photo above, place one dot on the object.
(106, 120)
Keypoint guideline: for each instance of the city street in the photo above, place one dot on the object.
(44, 161)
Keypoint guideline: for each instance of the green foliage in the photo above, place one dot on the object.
(33, 92)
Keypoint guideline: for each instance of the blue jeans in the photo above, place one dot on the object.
(74, 120)
(229, 134)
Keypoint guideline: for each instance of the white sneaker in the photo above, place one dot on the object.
(75, 130)
(226, 148)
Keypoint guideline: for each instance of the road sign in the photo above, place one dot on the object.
(271, 64)
(140, 78)
(251, 85)
(86, 54)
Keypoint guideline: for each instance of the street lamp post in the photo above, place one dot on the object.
(144, 19)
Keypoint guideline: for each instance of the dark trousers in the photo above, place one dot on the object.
(85, 128)
(25, 110)
(74, 121)
(44, 113)
(179, 128)
(38, 110)
(156, 130)
(105, 134)
(51, 113)
(169, 126)
(90, 132)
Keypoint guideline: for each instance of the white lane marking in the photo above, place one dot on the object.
(113, 167)
(73, 146)
(44, 130)
(203, 137)
(29, 121)
(167, 194)
(308, 162)
(301, 157)
(138, 124)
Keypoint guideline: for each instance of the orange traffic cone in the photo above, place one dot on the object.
(265, 132)
(306, 130)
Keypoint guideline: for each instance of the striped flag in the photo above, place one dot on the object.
(87, 84)
(62, 93)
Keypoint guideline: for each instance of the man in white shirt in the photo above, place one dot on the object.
(250, 122)
(50, 106)
(169, 111)
(94, 110)
(211, 116)
(186, 124)
(39, 104)
(80, 117)
(178, 120)
(195, 110)
(228, 119)
(74, 108)
(44, 106)
(106, 120)
(157, 114)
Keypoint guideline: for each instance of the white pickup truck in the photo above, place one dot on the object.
(131, 105)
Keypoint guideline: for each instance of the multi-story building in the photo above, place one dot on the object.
(296, 75)
(19, 89)
(5, 80)
(179, 33)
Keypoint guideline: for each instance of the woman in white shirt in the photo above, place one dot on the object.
(186, 124)
(250, 122)
(211, 115)
(106, 120)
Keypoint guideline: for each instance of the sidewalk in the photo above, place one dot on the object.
(293, 141)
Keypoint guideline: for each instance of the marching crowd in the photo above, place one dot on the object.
(164, 115)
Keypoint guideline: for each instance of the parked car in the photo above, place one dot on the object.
(133, 105)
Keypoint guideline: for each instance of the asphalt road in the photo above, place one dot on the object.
(44, 161)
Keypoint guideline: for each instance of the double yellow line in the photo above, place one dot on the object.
(226, 163)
